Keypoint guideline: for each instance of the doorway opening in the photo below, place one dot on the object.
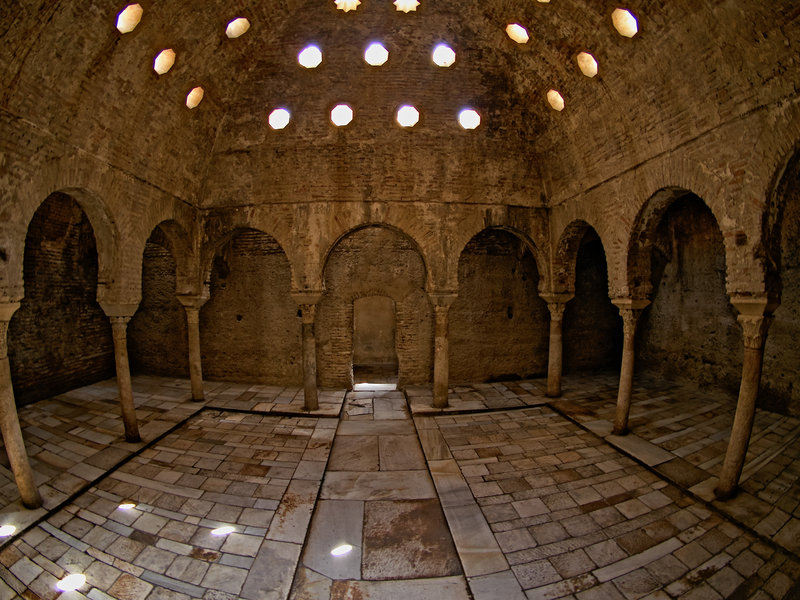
(375, 364)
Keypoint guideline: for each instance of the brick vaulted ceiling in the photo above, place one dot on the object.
(693, 65)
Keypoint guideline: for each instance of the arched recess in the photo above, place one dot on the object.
(157, 334)
(374, 260)
(499, 326)
(250, 330)
(60, 338)
(592, 327)
(689, 331)
(780, 387)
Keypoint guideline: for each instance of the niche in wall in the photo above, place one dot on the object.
(374, 352)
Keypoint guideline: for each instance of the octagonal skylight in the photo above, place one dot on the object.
(517, 33)
(237, 27)
(195, 97)
(555, 100)
(310, 57)
(164, 61)
(406, 5)
(444, 55)
(347, 5)
(279, 118)
(469, 118)
(407, 116)
(587, 64)
(341, 115)
(625, 22)
(376, 54)
(129, 18)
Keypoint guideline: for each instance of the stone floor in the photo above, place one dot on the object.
(503, 495)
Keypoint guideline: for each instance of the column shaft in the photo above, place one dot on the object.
(629, 310)
(119, 329)
(311, 398)
(10, 428)
(755, 332)
(555, 351)
(195, 355)
(441, 359)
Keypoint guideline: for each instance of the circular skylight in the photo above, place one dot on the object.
(624, 22)
(194, 97)
(517, 33)
(469, 118)
(129, 18)
(406, 5)
(279, 118)
(407, 116)
(376, 54)
(347, 5)
(587, 64)
(164, 61)
(444, 55)
(310, 57)
(341, 115)
(237, 27)
(556, 100)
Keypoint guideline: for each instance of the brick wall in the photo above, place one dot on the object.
(592, 330)
(690, 330)
(249, 328)
(157, 337)
(499, 326)
(59, 339)
(374, 261)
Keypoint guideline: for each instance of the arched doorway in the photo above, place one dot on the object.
(374, 351)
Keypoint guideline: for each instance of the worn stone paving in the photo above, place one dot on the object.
(575, 519)
(378, 497)
(477, 397)
(683, 432)
(276, 399)
(259, 474)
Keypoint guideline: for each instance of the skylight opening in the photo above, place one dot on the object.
(444, 55)
(625, 22)
(195, 97)
(164, 61)
(406, 6)
(237, 27)
(517, 33)
(347, 5)
(129, 18)
(407, 116)
(279, 118)
(376, 54)
(587, 64)
(555, 100)
(310, 57)
(545, 1)
(341, 115)
(469, 118)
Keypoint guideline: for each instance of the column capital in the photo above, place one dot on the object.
(113, 310)
(556, 298)
(442, 299)
(7, 310)
(306, 297)
(754, 329)
(192, 301)
(753, 306)
(625, 303)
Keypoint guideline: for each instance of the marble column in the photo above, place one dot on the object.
(9, 419)
(441, 359)
(119, 329)
(754, 327)
(629, 309)
(556, 304)
(192, 305)
(307, 303)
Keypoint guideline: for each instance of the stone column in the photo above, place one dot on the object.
(9, 419)
(119, 329)
(192, 305)
(307, 302)
(441, 359)
(556, 304)
(629, 309)
(755, 325)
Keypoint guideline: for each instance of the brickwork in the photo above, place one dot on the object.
(60, 338)
(250, 306)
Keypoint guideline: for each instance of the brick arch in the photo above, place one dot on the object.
(540, 257)
(565, 257)
(180, 247)
(210, 250)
